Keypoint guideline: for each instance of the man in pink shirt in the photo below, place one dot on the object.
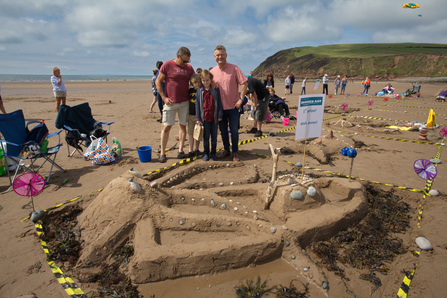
(228, 78)
(176, 74)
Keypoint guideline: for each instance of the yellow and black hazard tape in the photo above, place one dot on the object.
(428, 185)
(61, 204)
(405, 286)
(417, 102)
(384, 138)
(418, 107)
(378, 118)
(346, 176)
(70, 287)
(409, 112)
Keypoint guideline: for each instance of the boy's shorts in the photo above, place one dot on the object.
(261, 109)
(191, 124)
(169, 112)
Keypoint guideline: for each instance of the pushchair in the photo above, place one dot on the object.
(80, 127)
(416, 90)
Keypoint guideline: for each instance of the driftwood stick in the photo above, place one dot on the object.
(275, 157)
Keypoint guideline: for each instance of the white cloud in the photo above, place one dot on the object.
(141, 54)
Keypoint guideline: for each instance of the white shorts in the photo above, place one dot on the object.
(169, 112)
(59, 93)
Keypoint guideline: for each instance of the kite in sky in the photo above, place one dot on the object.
(410, 5)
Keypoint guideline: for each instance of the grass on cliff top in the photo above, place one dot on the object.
(370, 50)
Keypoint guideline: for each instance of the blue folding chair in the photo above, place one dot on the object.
(79, 126)
(14, 131)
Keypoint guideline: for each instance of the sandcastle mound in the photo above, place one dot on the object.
(208, 217)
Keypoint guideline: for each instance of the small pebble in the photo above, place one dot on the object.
(246, 212)
(435, 160)
(298, 164)
(208, 224)
(305, 269)
(193, 200)
(213, 203)
(229, 224)
(248, 228)
(238, 223)
(260, 226)
(310, 275)
(293, 257)
(236, 209)
(434, 192)
(181, 222)
(221, 184)
(193, 224)
(231, 183)
(182, 198)
(254, 211)
(273, 230)
(284, 227)
(423, 243)
(245, 207)
(228, 164)
(162, 217)
(203, 199)
(286, 243)
(231, 201)
(311, 191)
(255, 217)
(171, 219)
(223, 206)
(324, 285)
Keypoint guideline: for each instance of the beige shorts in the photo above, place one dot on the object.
(169, 112)
(191, 124)
(59, 93)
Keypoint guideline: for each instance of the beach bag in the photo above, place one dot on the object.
(100, 154)
(37, 134)
(198, 132)
(91, 148)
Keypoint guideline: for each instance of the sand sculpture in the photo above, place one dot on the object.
(209, 217)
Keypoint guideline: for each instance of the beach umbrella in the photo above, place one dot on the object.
(411, 5)
(29, 185)
(425, 169)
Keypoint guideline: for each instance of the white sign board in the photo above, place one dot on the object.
(310, 116)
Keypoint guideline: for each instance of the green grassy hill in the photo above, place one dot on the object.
(386, 60)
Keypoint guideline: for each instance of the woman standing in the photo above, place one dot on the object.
(269, 82)
(59, 90)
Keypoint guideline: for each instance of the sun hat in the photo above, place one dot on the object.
(325, 74)
(338, 76)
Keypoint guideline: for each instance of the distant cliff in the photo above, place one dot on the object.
(394, 60)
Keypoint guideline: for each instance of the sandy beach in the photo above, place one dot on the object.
(384, 156)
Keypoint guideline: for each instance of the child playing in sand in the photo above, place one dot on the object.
(208, 113)
(193, 143)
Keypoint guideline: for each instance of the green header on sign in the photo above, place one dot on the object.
(311, 101)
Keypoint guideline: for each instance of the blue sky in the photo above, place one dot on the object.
(128, 37)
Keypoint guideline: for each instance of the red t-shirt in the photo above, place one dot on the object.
(208, 106)
(177, 80)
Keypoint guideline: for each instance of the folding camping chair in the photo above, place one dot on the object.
(79, 126)
(16, 143)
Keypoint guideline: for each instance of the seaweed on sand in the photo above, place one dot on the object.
(63, 242)
(369, 244)
(252, 290)
(292, 291)
(112, 281)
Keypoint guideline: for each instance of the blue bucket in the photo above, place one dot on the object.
(145, 153)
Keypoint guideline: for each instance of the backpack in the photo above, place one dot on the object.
(38, 133)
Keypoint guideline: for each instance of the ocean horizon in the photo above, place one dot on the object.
(68, 78)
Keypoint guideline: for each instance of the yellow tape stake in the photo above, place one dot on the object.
(70, 287)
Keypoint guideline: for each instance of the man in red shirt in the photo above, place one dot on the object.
(176, 74)
(228, 78)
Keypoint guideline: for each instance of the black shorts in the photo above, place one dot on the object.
(287, 87)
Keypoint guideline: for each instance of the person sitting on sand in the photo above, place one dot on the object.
(279, 103)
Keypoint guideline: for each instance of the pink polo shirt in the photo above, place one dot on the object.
(228, 80)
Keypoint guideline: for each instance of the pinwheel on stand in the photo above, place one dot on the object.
(425, 169)
(29, 185)
(351, 153)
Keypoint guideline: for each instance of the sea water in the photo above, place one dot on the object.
(67, 78)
